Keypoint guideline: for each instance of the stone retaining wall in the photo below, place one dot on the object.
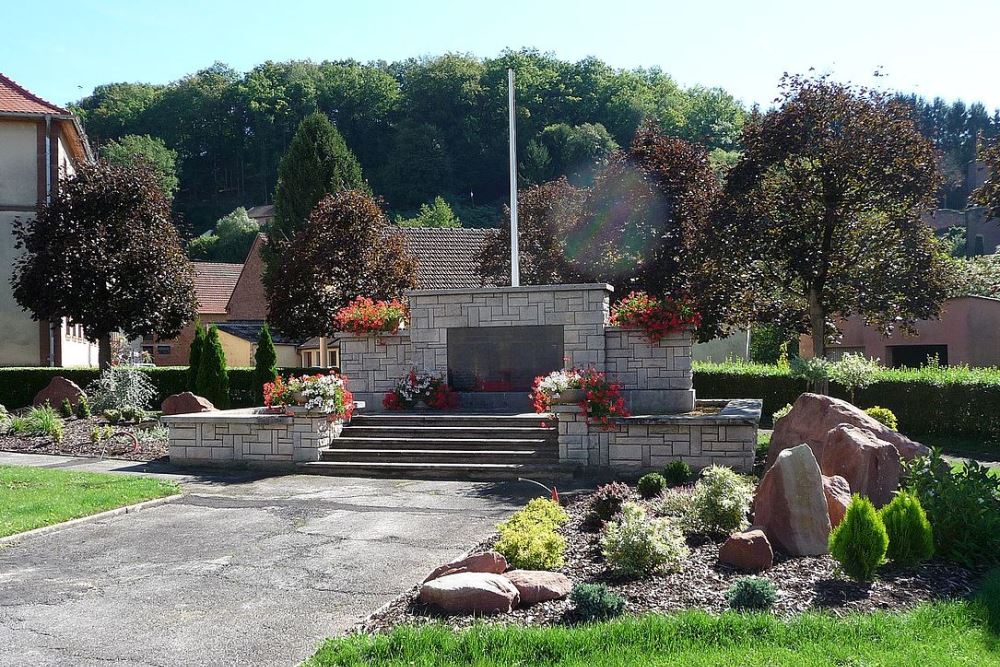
(373, 364)
(249, 437)
(656, 378)
(728, 438)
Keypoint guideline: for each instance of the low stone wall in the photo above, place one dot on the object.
(250, 437)
(727, 438)
(373, 364)
(656, 378)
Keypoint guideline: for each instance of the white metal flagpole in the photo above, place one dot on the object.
(515, 269)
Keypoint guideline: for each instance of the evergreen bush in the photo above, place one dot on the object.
(884, 416)
(911, 539)
(721, 501)
(528, 540)
(194, 358)
(607, 501)
(751, 594)
(66, 408)
(83, 408)
(677, 472)
(637, 546)
(860, 541)
(651, 485)
(265, 360)
(596, 602)
(213, 379)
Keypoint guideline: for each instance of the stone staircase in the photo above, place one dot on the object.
(444, 446)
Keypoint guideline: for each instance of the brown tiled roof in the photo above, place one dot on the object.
(214, 283)
(447, 258)
(14, 98)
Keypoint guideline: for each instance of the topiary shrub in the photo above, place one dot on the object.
(596, 602)
(265, 362)
(651, 485)
(721, 501)
(859, 542)
(528, 540)
(911, 539)
(607, 501)
(637, 546)
(678, 472)
(752, 594)
(884, 416)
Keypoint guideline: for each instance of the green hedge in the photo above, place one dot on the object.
(939, 401)
(18, 386)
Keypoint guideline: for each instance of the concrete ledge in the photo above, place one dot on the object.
(580, 287)
(736, 411)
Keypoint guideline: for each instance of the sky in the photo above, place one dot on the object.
(61, 49)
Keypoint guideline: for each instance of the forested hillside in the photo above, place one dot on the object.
(437, 126)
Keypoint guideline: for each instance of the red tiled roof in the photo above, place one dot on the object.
(447, 258)
(214, 283)
(17, 99)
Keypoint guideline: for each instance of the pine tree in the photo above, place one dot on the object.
(318, 162)
(194, 360)
(265, 359)
(213, 379)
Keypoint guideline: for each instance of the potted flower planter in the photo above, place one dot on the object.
(567, 397)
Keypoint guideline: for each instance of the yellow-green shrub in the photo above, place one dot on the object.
(528, 540)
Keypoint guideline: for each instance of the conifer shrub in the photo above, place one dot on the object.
(265, 362)
(83, 408)
(677, 472)
(194, 358)
(752, 594)
(651, 485)
(607, 501)
(66, 408)
(528, 540)
(860, 541)
(884, 416)
(911, 539)
(213, 379)
(596, 602)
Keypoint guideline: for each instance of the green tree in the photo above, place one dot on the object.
(417, 164)
(130, 148)
(230, 242)
(194, 358)
(213, 378)
(347, 249)
(265, 362)
(576, 151)
(105, 254)
(822, 213)
(435, 214)
(317, 163)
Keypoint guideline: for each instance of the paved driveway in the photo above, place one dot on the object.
(238, 572)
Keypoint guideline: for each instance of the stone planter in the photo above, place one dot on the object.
(568, 397)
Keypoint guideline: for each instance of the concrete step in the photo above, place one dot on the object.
(451, 420)
(444, 444)
(356, 455)
(441, 432)
(464, 471)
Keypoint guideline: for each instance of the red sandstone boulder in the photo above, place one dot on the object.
(471, 592)
(489, 561)
(58, 390)
(790, 505)
(186, 403)
(870, 466)
(539, 585)
(838, 497)
(749, 551)
(814, 415)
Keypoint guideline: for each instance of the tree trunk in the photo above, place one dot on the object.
(817, 329)
(104, 351)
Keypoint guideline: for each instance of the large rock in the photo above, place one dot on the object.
(489, 561)
(471, 592)
(790, 505)
(749, 551)
(58, 390)
(185, 403)
(539, 585)
(838, 497)
(814, 415)
(870, 466)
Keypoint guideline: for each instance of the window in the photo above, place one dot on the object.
(163, 349)
(915, 356)
(837, 353)
(333, 358)
(147, 349)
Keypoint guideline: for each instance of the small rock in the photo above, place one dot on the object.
(838, 497)
(489, 561)
(58, 390)
(749, 551)
(539, 585)
(870, 466)
(185, 403)
(790, 505)
(471, 592)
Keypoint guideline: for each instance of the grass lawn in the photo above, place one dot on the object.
(944, 633)
(35, 497)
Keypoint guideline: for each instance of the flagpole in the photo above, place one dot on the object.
(515, 269)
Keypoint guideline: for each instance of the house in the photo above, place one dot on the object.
(982, 233)
(230, 296)
(262, 215)
(968, 332)
(40, 144)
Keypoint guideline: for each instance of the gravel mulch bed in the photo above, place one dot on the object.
(76, 442)
(804, 584)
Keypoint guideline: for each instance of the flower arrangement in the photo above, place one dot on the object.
(418, 386)
(601, 398)
(654, 316)
(316, 393)
(365, 316)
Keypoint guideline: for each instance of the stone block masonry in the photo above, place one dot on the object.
(373, 364)
(250, 438)
(656, 378)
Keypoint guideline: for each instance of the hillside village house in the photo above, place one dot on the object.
(40, 144)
